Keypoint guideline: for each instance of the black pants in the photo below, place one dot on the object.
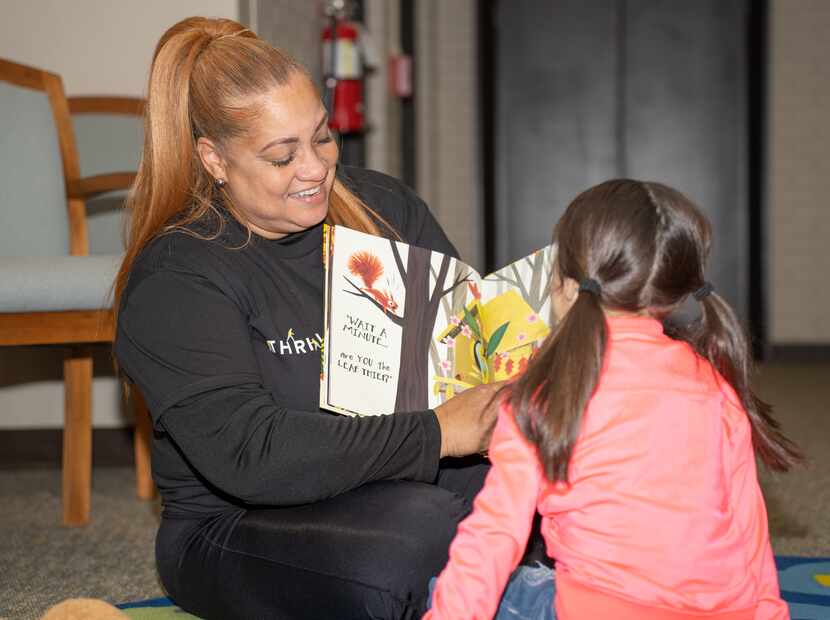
(368, 553)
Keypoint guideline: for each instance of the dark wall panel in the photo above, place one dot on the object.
(651, 89)
(685, 118)
(554, 114)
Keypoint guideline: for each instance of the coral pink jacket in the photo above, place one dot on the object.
(663, 517)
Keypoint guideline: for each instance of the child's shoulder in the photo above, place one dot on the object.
(663, 364)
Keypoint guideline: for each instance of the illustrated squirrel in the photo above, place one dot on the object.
(368, 268)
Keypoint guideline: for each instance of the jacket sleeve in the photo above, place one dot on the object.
(188, 348)
(491, 541)
(751, 516)
(770, 604)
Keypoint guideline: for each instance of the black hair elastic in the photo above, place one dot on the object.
(704, 291)
(589, 285)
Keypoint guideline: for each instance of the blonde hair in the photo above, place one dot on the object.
(203, 72)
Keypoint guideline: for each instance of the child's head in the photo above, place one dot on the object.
(629, 246)
(644, 244)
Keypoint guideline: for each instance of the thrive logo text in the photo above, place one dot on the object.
(293, 345)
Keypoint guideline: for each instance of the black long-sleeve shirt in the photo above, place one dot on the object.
(222, 338)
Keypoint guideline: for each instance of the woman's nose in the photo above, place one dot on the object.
(314, 165)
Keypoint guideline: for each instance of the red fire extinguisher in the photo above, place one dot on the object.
(343, 70)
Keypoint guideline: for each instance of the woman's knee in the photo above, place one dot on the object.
(418, 526)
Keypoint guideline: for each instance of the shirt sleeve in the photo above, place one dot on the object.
(770, 604)
(187, 346)
(400, 206)
(751, 515)
(491, 541)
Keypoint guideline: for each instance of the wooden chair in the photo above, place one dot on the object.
(108, 136)
(51, 291)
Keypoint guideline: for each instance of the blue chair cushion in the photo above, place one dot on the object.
(54, 284)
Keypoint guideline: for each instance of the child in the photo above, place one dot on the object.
(637, 448)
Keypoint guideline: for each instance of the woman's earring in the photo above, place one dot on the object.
(220, 183)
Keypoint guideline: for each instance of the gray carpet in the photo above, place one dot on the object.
(798, 503)
(44, 562)
(112, 558)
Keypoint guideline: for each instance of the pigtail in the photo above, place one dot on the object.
(549, 399)
(719, 337)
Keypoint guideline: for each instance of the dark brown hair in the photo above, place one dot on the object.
(646, 245)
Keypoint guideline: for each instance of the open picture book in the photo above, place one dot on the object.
(407, 328)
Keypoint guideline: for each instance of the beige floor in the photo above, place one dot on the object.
(799, 502)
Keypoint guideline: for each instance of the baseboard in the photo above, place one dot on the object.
(799, 353)
(42, 448)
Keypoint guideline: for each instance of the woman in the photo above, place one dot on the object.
(271, 507)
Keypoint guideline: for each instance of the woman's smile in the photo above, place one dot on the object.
(312, 196)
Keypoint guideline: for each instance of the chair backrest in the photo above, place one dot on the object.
(37, 157)
(109, 134)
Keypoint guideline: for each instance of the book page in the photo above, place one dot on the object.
(362, 342)
(515, 313)
(499, 324)
(385, 302)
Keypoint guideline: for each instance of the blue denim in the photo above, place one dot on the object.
(528, 595)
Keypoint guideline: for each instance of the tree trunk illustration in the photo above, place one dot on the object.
(420, 311)
(417, 322)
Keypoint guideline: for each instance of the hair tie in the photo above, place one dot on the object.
(230, 35)
(704, 291)
(589, 285)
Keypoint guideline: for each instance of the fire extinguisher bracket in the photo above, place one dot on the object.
(343, 64)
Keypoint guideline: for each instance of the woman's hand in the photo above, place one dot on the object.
(467, 420)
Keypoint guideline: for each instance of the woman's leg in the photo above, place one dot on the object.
(368, 553)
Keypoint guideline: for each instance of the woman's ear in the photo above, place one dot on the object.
(212, 159)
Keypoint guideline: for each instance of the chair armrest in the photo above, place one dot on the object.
(100, 184)
(128, 106)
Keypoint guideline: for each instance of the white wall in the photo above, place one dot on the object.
(98, 47)
(798, 217)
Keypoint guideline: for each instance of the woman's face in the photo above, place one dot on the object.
(279, 176)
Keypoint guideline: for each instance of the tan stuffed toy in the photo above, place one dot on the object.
(83, 609)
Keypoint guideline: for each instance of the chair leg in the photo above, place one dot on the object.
(77, 436)
(145, 489)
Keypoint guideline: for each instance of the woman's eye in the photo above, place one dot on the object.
(279, 163)
(325, 139)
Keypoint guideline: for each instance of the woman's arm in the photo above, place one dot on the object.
(491, 541)
(188, 348)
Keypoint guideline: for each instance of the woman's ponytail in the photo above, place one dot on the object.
(171, 186)
(549, 399)
(719, 337)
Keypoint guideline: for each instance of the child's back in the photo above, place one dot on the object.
(663, 506)
(639, 456)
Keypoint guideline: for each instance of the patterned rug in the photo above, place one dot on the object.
(805, 585)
